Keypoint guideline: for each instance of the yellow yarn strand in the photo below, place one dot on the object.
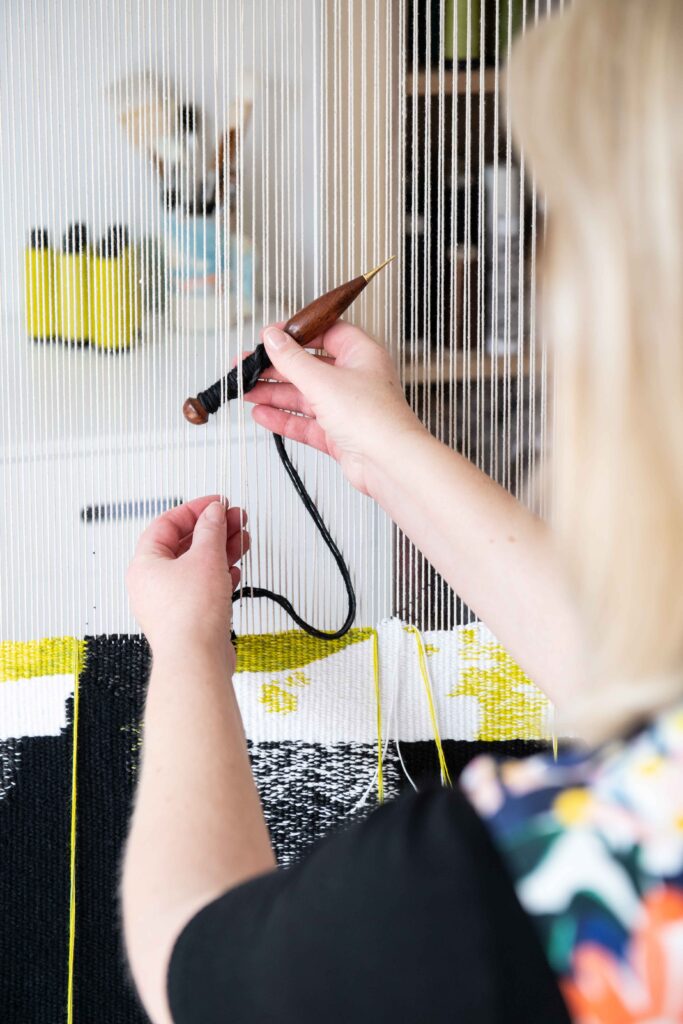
(72, 860)
(445, 776)
(375, 668)
(50, 657)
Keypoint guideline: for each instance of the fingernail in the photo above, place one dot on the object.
(215, 512)
(274, 338)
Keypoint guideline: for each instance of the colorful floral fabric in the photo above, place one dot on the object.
(595, 847)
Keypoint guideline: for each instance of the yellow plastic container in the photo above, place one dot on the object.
(41, 323)
(73, 285)
(117, 300)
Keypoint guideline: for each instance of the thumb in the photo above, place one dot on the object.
(210, 531)
(303, 370)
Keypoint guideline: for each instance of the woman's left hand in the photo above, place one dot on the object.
(183, 574)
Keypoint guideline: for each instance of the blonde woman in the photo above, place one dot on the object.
(562, 897)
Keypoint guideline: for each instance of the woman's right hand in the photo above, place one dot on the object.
(349, 403)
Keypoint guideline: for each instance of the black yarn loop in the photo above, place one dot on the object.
(224, 390)
(309, 505)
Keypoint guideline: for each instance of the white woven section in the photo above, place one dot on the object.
(333, 699)
(34, 707)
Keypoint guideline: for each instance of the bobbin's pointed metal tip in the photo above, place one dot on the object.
(371, 273)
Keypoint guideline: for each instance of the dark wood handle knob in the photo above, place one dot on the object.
(194, 412)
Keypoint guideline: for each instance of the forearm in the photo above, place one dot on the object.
(197, 827)
(497, 555)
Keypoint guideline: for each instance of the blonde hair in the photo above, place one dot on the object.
(596, 107)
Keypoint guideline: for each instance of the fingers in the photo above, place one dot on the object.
(238, 539)
(306, 372)
(164, 534)
(210, 533)
(298, 428)
(280, 396)
(219, 534)
(272, 374)
(236, 519)
(338, 338)
(237, 546)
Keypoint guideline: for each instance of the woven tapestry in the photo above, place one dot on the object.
(311, 714)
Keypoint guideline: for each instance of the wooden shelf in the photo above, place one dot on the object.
(428, 81)
(433, 372)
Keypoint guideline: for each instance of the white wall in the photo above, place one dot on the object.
(79, 426)
(64, 157)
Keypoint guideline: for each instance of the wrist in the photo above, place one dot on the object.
(215, 657)
(390, 460)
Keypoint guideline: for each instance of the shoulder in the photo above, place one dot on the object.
(510, 791)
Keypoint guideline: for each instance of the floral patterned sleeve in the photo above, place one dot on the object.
(595, 846)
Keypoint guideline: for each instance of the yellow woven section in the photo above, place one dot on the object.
(277, 652)
(511, 706)
(57, 655)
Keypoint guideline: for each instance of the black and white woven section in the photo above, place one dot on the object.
(308, 790)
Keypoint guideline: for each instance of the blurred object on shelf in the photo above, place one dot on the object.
(464, 280)
(414, 274)
(503, 256)
(74, 283)
(81, 296)
(228, 157)
(445, 239)
(193, 261)
(210, 286)
(41, 319)
(210, 270)
(116, 309)
(241, 275)
(462, 32)
(145, 107)
(187, 170)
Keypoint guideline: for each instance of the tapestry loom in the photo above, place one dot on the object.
(174, 174)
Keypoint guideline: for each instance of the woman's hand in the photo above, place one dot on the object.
(350, 403)
(183, 574)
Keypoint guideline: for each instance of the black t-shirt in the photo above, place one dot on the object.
(408, 917)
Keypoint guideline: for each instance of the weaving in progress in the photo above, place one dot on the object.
(176, 174)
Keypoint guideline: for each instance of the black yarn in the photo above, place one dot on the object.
(228, 388)
(312, 510)
(224, 390)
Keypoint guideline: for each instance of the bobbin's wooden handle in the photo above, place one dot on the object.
(318, 316)
(304, 327)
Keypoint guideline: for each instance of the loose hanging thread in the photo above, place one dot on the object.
(304, 327)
